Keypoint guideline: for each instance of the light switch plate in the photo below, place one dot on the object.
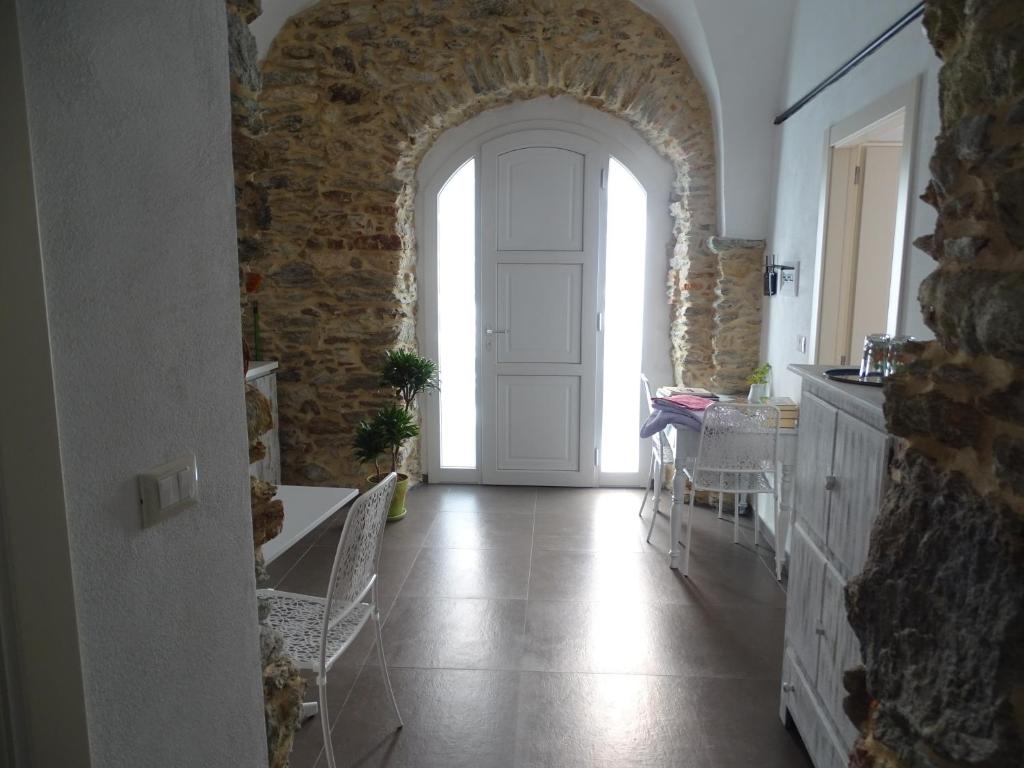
(168, 489)
(789, 280)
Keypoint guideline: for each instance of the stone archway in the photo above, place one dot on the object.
(353, 95)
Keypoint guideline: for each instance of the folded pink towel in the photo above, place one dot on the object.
(692, 402)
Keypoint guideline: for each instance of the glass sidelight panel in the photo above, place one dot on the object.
(625, 260)
(456, 316)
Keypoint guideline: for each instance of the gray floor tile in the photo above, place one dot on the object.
(279, 567)
(605, 576)
(395, 565)
(457, 633)
(608, 721)
(411, 530)
(453, 719)
(613, 500)
(653, 639)
(740, 724)
(469, 573)
(480, 530)
(471, 498)
(587, 530)
(309, 576)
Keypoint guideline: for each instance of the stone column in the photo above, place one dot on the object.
(737, 308)
(939, 608)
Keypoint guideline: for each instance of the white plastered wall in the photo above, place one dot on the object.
(129, 124)
(825, 34)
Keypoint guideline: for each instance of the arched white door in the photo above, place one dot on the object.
(513, 229)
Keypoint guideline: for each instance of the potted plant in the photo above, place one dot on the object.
(758, 381)
(407, 375)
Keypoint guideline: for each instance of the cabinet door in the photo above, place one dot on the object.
(814, 464)
(800, 702)
(861, 471)
(839, 651)
(803, 600)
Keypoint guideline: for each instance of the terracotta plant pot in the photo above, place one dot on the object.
(397, 510)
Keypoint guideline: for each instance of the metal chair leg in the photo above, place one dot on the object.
(754, 517)
(656, 474)
(689, 532)
(325, 721)
(736, 515)
(647, 490)
(780, 539)
(384, 666)
(654, 517)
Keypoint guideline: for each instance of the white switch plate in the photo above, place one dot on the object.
(167, 489)
(789, 280)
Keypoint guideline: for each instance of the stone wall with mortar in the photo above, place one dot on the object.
(939, 608)
(736, 341)
(354, 94)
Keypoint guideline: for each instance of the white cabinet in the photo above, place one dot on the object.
(263, 376)
(842, 459)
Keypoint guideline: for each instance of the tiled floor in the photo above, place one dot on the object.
(536, 627)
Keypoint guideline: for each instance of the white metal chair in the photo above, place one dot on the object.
(739, 447)
(661, 453)
(318, 630)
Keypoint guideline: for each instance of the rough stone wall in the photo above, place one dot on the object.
(939, 608)
(736, 341)
(283, 686)
(354, 94)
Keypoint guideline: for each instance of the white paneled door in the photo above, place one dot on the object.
(540, 213)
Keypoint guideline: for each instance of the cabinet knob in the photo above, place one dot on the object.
(819, 631)
(830, 482)
(788, 687)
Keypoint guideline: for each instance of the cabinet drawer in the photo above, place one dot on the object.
(860, 467)
(811, 721)
(838, 652)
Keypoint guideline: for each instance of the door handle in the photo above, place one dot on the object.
(831, 482)
(492, 331)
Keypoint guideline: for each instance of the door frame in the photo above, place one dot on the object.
(844, 133)
(456, 146)
(42, 692)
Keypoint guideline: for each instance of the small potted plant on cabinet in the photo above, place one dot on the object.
(758, 381)
(407, 375)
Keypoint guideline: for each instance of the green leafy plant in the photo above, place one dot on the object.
(408, 374)
(391, 426)
(368, 445)
(760, 374)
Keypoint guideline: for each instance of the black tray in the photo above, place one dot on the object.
(852, 376)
